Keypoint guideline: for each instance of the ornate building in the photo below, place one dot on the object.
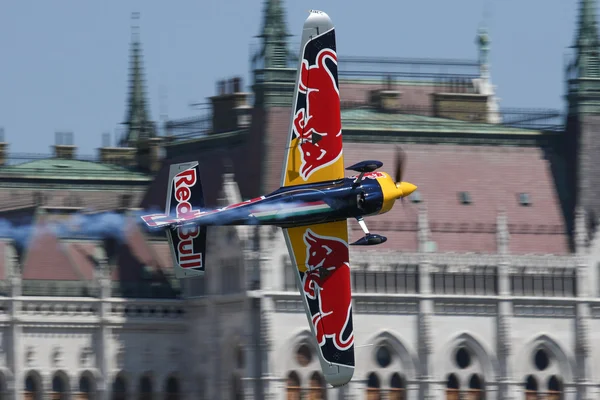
(486, 286)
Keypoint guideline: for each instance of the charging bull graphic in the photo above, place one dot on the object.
(318, 124)
(320, 281)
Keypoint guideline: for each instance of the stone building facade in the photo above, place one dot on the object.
(486, 287)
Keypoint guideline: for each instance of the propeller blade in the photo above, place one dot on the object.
(400, 157)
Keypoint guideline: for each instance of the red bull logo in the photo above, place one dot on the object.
(325, 260)
(183, 182)
(370, 175)
(321, 116)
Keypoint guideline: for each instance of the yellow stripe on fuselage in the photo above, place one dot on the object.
(390, 192)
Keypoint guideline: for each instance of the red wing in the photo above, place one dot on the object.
(321, 256)
(314, 144)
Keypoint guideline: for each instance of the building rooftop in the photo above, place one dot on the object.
(464, 189)
(68, 169)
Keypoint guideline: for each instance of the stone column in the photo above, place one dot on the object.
(104, 360)
(583, 354)
(266, 342)
(16, 349)
(506, 391)
(425, 335)
(425, 310)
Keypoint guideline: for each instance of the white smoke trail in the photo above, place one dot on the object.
(104, 225)
(79, 225)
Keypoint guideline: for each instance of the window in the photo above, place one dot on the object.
(399, 279)
(465, 197)
(481, 280)
(289, 274)
(524, 199)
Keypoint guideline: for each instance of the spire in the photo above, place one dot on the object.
(586, 43)
(483, 44)
(483, 84)
(137, 118)
(274, 50)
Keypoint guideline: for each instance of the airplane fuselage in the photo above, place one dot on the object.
(308, 204)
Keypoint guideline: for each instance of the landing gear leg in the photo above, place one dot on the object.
(363, 225)
(369, 239)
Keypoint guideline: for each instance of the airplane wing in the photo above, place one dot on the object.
(314, 145)
(320, 255)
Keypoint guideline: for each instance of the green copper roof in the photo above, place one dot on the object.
(65, 169)
(369, 119)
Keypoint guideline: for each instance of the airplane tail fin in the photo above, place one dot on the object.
(187, 243)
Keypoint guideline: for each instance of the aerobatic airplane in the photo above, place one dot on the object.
(311, 206)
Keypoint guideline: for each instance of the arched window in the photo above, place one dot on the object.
(59, 387)
(373, 387)
(317, 390)
(119, 389)
(452, 388)
(554, 388)
(397, 387)
(304, 355)
(293, 386)
(145, 389)
(172, 389)
(33, 390)
(531, 388)
(85, 388)
(475, 388)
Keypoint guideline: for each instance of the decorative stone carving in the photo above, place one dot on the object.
(583, 342)
(30, 355)
(502, 233)
(85, 358)
(57, 356)
(504, 336)
(426, 341)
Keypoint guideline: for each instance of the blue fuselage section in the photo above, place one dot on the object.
(304, 205)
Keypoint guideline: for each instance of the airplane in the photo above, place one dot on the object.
(312, 205)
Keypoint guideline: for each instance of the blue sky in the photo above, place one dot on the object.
(64, 63)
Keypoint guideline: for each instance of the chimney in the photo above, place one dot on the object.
(386, 99)
(63, 145)
(149, 154)
(231, 110)
(3, 148)
(124, 156)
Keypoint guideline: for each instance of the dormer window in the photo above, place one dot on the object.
(465, 197)
(524, 199)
